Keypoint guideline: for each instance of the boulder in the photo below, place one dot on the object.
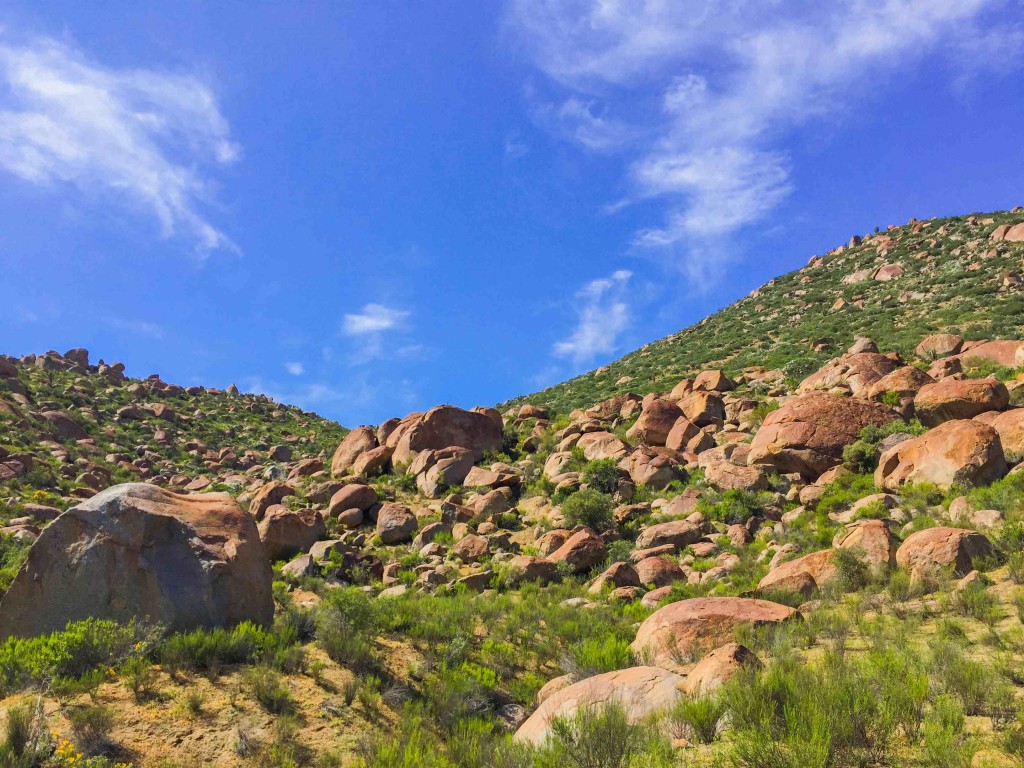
(682, 432)
(373, 462)
(353, 496)
(655, 422)
(805, 575)
(678, 533)
(715, 669)
(355, 444)
(1002, 352)
(934, 549)
(857, 371)
(138, 551)
(691, 627)
(713, 381)
(395, 524)
(446, 426)
(602, 445)
(872, 538)
(471, 548)
(436, 470)
(951, 399)
(726, 476)
(1010, 427)
(285, 533)
(617, 575)
(659, 571)
(523, 568)
(705, 409)
(807, 434)
(905, 382)
(938, 345)
(66, 428)
(582, 551)
(955, 452)
(641, 691)
(269, 495)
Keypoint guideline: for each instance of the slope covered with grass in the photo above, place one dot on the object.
(895, 286)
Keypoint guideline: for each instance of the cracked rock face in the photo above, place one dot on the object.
(136, 550)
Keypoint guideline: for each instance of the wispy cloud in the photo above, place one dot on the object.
(374, 318)
(295, 369)
(146, 137)
(137, 327)
(734, 80)
(602, 315)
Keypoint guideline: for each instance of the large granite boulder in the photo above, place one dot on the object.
(807, 434)
(138, 551)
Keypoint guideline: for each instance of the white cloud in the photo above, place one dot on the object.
(374, 318)
(137, 327)
(602, 315)
(734, 79)
(145, 137)
(295, 369)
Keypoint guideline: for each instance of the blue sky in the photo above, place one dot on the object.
(369, 208)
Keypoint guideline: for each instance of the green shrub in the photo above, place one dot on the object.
(601, 475)
(268, 688)
(603, 737)
(734, 506)
(90, 726)
(699, 717)
(594, 656)
(138, 673)
(83, 647)
(588, 507)
(347, 626)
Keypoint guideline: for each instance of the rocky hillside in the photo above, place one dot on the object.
(69, 428)
(960, 275)
(767, 564)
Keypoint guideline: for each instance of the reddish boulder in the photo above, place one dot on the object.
(956, 452)
(269, 495)
(352, 496)
(355, 444)
(718, 667)
(659, 571)
(804, 575)
(582, 551)
(857, 371)
(678, 533)
(939, 345)
(951, 399)
(373, 462)
(395, 524)
(905, 382)
(641, 691)
(446, 426)
(655, 422)
(705, 409)
(690, 627)
(285, 533)
(933, 549)
(807, 434)
(602, 445)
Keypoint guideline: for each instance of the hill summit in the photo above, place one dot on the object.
(960, 274)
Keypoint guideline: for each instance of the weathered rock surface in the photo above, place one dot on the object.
(681, 629)
(962, 451)
(136, 550)
(641, 691)
(807, 434)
